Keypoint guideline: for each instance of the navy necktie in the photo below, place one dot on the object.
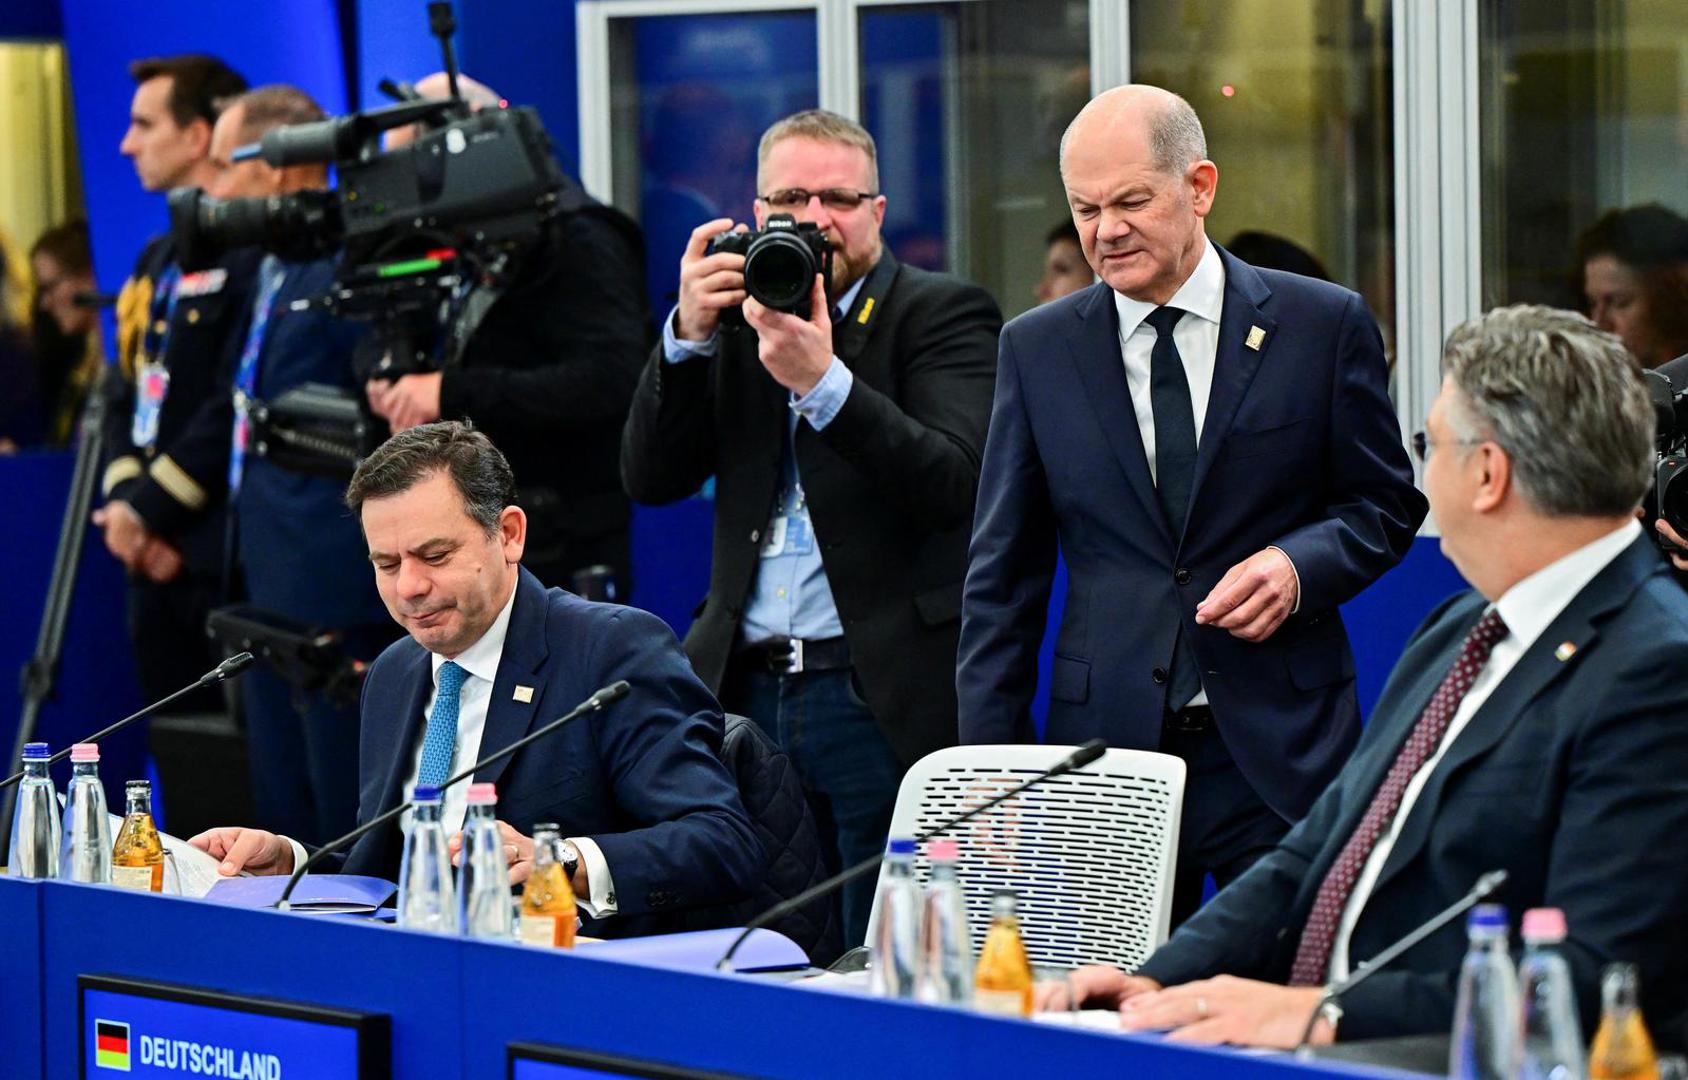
(1175, 473)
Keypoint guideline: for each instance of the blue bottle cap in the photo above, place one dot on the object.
(36, 751)
(1487, 917)
(425, 793)
(901, 846)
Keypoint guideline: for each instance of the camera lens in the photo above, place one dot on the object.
(779, 271)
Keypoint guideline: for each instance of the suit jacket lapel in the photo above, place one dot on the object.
(416, 684)
(525, 651)
(849, 337)
(1234, 363)
(1540, 666)
(1094, 346)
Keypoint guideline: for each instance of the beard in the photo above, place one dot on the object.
(847, 269)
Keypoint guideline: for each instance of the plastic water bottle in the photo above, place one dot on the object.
(85, 850)
(483, 879)
(896, 938)
(946, 942)
(1553, 1046)
(1486, 1030)
(425, 896)
(35, 819)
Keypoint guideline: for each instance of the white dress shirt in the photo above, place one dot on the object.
(1527, 609)
(480, 666)
(1202, 298)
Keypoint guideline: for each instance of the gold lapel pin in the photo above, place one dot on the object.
(523, 694)
(1255, 337)
(1565, 651)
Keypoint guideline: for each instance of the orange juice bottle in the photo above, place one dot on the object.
(548, 896)
(137, 856)
(1002, 983)
(1622, 1049)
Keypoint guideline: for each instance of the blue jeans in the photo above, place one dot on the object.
(850, 773)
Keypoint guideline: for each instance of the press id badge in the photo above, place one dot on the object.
(152, 385)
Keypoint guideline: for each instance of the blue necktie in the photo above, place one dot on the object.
(1175, 473)
(441, 738)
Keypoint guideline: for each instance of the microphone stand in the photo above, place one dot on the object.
(229, 668)
(614, 691)
(1078, 759)
(1485, 885)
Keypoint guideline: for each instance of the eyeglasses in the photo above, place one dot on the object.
(832, 198)
(1422, 444)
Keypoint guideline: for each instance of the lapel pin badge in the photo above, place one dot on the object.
(523, 694)
(1255, 337)
(1565, 651)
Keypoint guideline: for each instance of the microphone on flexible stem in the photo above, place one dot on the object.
(228, 669)
(1485, 885)
(613, 692)
(1078, 759)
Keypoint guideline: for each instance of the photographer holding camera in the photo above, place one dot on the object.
(548, 375)
(301, 556)
(844, 424)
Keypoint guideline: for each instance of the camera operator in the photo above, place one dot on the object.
(299, 552)
(548, 376)
(1677, 372)
(845, 439)
(166, 416)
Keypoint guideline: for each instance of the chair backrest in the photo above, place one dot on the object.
(779, 812)
(1090, 854)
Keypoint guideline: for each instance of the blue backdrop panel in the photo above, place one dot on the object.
(30, 19)
(96, 683)
(294, 42)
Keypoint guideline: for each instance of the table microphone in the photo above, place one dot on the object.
(598, 700)
(1486, 884)
(228, 669)
(1078, 759)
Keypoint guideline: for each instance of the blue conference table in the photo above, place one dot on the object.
(454, 1005)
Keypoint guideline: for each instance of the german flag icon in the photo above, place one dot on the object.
(111, 1045)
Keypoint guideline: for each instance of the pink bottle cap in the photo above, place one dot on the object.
(947, 850)
(85, 751)
(1544, 924)
(482, 793)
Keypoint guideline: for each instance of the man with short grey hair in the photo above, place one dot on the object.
(1212, 448)
(1534, 724)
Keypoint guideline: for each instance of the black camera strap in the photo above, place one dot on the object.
(850, 335)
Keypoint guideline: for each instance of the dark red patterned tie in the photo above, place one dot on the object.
(1312, 956)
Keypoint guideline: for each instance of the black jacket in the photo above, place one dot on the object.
(179, 483)
(550, 372)
(1569, 776)
(890, 483)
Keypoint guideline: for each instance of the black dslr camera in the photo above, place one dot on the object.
(780, 264)
(1669, 497)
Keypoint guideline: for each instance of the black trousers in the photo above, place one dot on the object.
(167, 630)
(1226, 826)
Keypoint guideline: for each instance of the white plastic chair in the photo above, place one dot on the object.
(1090, 854)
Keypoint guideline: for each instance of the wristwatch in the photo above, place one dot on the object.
(571, 860)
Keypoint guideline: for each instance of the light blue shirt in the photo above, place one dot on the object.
(791, 597)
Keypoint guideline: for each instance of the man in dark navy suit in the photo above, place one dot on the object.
(1214, 450)
(1534, 724)
(654, 819)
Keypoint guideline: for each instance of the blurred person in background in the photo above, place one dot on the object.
(548, 376)
(1269, 251)
(167, 402)
(298, 552)
(1065, 270)
(1634, 265)
(20, 404)
(66, 333)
